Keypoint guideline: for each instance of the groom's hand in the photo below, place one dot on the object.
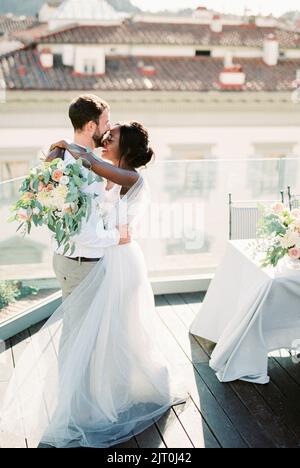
(125, 237)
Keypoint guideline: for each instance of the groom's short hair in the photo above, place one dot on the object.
(86, 108)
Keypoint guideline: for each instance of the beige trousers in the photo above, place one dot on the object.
(70, 273)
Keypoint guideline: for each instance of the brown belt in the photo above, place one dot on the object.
(85, 260)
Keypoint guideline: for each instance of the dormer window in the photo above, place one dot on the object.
(203, 53)
(89, 66)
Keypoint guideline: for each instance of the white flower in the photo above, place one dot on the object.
(61, 166)
(64, 180)
(296, 223)
(36, 211)
(289, 240)
(74, 207)
(296, 213)
(58, 197)
(45, 199)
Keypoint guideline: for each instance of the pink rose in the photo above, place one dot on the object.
(23, 215)
(296, 213)
(41, 186)
(28, 196)
(57, 175)
(278, 207)
(294, 253)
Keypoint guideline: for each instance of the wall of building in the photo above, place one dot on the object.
(231, 126)
(162, 50)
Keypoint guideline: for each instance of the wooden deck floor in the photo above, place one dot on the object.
(236, 415)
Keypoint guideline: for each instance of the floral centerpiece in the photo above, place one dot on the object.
(52, 196)
(280, 229)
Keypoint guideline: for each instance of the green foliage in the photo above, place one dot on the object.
(271, 224)
(61, 205)
(273, 227)
(273, 255)
(11, 291)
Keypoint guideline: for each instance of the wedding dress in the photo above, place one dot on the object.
(97, 373)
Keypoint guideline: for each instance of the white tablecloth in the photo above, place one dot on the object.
(248, 312)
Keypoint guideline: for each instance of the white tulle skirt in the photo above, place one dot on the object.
(98, 372)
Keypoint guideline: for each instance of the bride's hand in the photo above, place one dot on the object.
(125, 237)
(57, 150)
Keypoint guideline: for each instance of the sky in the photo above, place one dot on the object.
(277, 7)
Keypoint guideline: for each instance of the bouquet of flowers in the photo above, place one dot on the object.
(280, 229)
(52, 195)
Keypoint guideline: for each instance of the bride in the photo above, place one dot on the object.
(98, 372)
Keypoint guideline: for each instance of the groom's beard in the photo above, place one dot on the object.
(98, 139)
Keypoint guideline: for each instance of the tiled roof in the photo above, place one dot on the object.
(22, 70)
(27, 36)
(130, 32)
(10, 24)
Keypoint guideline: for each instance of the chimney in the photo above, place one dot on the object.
(296, 82)
(233, 76)
(271, 50)
(46, 58)
(203, 14)
(216, 24)
(22, 71)
(228, 60)
(147, 70)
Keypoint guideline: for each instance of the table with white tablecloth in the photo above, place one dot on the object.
(248, 311)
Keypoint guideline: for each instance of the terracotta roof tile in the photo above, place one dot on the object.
(10, 24)
(131, 32)
(22, 70)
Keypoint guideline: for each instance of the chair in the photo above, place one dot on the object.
(244, 217)
(294, 200)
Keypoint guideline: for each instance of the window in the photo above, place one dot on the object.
(57, 60)
(89, 66)
(203, 53)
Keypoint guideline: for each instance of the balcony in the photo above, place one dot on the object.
(235, 415)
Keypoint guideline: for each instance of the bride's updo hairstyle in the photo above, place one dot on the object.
(134, 145)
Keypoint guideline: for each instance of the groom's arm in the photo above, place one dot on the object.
(104, 238)
(111, 237)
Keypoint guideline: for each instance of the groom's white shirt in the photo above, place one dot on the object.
(93, 238)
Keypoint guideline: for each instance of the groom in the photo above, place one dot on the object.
(90, 117)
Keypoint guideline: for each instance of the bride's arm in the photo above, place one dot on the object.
(117, 175)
